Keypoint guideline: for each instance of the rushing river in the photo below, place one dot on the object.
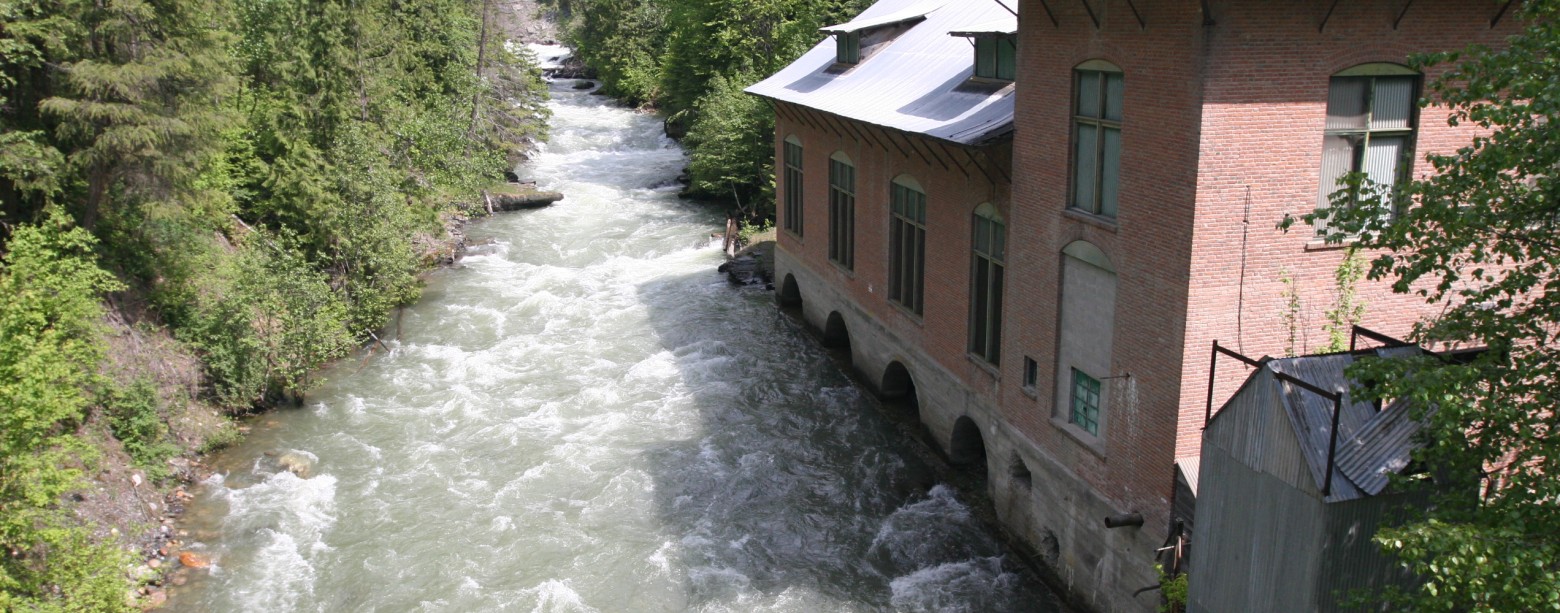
(584, 416)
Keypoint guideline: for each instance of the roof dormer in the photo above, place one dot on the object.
(857, 40)
(996, 48)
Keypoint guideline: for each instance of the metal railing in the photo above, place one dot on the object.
(1335, 397)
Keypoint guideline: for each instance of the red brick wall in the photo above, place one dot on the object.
(1209, 111)
(952, 193)
(1217, 120)
(1265, 96)
(1149, 243)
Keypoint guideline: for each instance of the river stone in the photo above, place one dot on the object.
(194, 560)
(297, 463)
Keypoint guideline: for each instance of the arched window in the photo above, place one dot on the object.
(906, 243)
(989, 244)
(1097, 90)
(792, 182)
(1084, 337)
(842, 210)
(1370, 128)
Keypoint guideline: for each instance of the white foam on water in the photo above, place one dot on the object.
(549, 56)
(290, 576)
(584, 415)
(556, 596)
(971, 586)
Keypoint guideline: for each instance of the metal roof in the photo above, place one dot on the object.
(1190, 467)
(1371, 444)
(1006, 24)
(859, 24)
(914, 83)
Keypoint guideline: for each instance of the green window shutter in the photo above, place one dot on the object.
(1007, 58)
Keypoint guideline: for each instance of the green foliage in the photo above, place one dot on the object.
(262, 320)
(261, 171)
(731, 146)
(712, 50)
(225, 436)
(134, 417)
(622, 40)
(1348, 308)
(49, 351)
(1291, 315)
(1173, 588)
(1478, 236)
(747, 230)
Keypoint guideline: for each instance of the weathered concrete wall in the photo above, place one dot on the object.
(1057, 514)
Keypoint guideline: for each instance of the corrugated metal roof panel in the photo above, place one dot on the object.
(866, 23)
(1371, 444)
(913, 84)
(1003, 25)
(1189, 469)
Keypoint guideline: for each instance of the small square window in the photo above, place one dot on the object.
(1085, 402)
(1031, 373)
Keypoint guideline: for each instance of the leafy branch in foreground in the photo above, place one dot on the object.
(1480, 235)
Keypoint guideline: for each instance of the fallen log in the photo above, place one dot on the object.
(516, 196)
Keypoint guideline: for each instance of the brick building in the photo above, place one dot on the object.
(1037, 227)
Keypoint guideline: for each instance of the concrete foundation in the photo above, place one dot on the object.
(1037, 498)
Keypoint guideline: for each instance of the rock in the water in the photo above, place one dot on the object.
(518, 196)
(298, 463)
(194, 560)
(156, 599)
(744, 270)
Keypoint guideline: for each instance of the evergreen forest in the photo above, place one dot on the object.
(690, 60)
(248, 188)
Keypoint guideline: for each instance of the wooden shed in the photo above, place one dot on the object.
(1286, 509)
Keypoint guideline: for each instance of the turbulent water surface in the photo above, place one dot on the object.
(583, 416)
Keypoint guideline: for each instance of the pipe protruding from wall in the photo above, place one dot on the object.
(1124, 520)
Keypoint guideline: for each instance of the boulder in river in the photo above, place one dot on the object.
(298, 463)
(194, 560)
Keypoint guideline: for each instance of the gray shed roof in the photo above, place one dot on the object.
(1371, 444)
(913, 84)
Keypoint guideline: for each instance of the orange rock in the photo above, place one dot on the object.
(194, 560)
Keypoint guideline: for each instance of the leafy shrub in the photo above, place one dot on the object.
(135, 419)
(50, 346)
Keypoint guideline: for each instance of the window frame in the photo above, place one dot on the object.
(847, 47)
(794, 206)
(989, 49)
(1088, 419)
(1360, 138)
(985, 323)
(842, 211)
(1101, 124)
(907, 244)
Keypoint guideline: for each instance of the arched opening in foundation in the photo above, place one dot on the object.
(967, 449)
(836, 337)
(898, 390)
(790, 294)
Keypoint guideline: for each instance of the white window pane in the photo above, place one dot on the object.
(1346, 104)
(1111, 172)
(1089, 94)
(1393, 103)
(1382, 158)
(1083, 180)
(1337, 160)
